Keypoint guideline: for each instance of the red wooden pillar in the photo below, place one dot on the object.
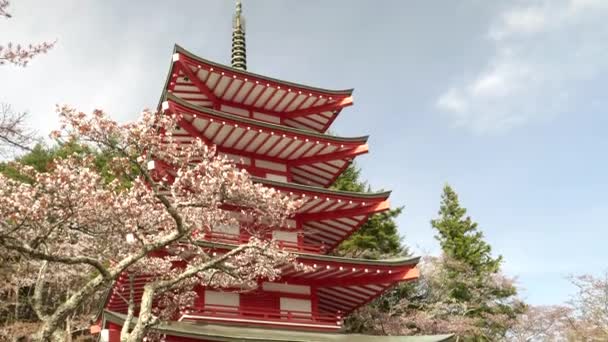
(111, 333)
(300, 233)
(314, 300)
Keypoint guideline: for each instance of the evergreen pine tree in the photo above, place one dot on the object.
(492, 305)
(459, 237)
(379, 236)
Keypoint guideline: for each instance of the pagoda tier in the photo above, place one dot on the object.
(267, 150)
(189, 331)
(208, 84)
(315, 298)
(328, 217)
(325, 218)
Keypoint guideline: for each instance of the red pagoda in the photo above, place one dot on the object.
(276, 131)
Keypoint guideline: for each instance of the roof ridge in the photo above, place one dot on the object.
(179, 49)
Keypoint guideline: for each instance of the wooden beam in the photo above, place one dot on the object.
(197, 81)
(188, 127)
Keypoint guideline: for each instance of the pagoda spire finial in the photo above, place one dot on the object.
(239, 53)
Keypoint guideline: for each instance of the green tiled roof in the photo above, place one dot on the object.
(217, 332)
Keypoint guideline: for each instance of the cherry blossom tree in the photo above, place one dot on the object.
(15, 53)
(74, 226)
(583, 318)
(542, 323)
(14, 135)
(21, 55)
(590, 307)
(429, 307)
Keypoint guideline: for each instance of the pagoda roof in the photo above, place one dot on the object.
(343, 284)
(313, 158)
(220, 332)
(309, 258)
(318, 190)
(209, 84)
(330, 216)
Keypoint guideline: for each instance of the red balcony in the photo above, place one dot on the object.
(262, 316)
(243, 238)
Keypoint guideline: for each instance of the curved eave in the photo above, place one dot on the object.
(179, 49)
(262, 124)
(342, 284)
(328, 217)
(395, 262)
(316, 190)
(209, 84)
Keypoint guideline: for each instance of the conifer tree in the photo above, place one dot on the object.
(459, 237)
(379, 236)
(462, 291)
(491, 305)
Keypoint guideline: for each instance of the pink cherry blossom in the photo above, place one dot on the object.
(71, 226)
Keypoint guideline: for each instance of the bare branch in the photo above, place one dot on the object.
(13, 131)
(3, 9)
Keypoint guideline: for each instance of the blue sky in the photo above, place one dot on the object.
(504, 100)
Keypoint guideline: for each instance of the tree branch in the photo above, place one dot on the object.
(60, 259)
(124, 332)
(37, 298)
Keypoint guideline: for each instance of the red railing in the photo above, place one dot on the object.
(264, 315)
(243, 238)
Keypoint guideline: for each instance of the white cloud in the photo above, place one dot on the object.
(107, 56)
(526, 20)
(544, 51)
(453, 101)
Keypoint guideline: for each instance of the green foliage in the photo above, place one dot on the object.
(462, 243)
(461, 292)
(37, 158)
(350, 180)
(41, 158)
(379, 236)
(459, 237)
